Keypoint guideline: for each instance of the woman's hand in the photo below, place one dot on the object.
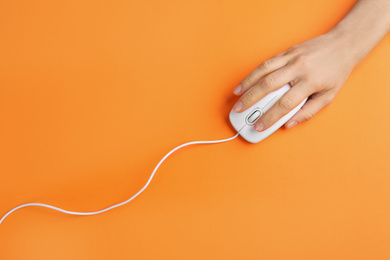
(316, 68)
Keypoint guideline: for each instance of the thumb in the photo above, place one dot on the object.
(312, 106)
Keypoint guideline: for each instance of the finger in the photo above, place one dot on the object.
(260, 71)
(285, 104)
(267, 84)
(310, 109)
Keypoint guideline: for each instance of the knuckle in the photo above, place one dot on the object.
(247, 79)
(266, 65)
(315, 83)
(308, 89)
(286, 103)
(248, 98)
(308, 116)
(294, 50)
(302, 60)
(270, 118)
(268, 82)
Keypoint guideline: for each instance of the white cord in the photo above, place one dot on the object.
(124, 202)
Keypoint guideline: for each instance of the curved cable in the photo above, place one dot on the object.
(121, 203)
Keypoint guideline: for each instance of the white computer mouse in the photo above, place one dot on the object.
(244, 122)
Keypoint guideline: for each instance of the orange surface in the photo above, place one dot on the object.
(94, 93)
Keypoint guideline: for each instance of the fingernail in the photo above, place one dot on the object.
(237, 89)
(259, 126)
(237, 107)
(293, 123)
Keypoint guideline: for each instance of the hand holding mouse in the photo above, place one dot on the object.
(316, 68)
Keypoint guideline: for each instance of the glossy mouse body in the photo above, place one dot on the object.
(244, 122)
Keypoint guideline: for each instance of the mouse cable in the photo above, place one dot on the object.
(124, 202)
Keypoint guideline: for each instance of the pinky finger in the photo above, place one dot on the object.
(309, 109)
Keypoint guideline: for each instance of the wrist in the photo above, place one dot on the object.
(363, 27)
(347, 44)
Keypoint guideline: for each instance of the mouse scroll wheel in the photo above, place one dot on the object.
(253, 116)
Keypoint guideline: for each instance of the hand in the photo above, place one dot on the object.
(316, 68)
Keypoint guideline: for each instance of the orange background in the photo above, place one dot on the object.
(94, 93)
